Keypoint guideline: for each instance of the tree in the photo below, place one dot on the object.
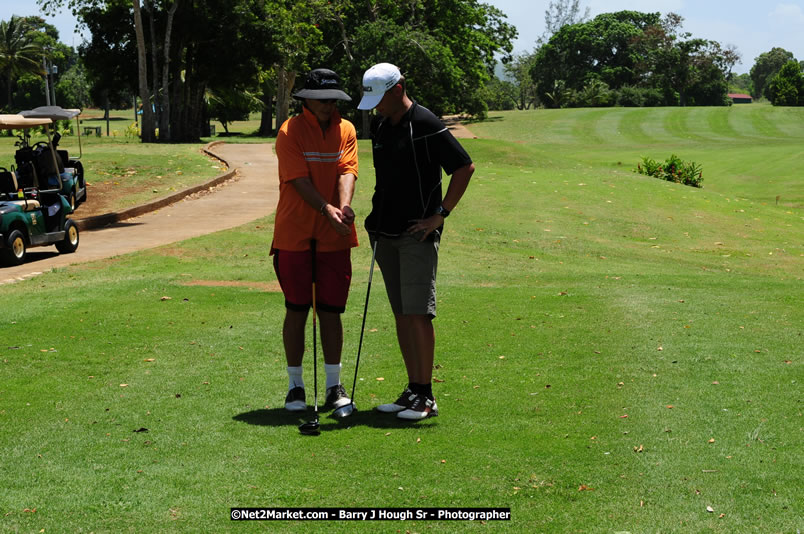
(110, 54)
(598, 49)
(519, 70)
(500, 95)
(148, 124)
(447, 49)
(559, 14)
(73, 88)
(787, 87)
(741, 83)
(185, 48)
(18, 53)
(766, 65)
(231, 105)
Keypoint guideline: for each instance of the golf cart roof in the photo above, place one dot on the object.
(17, 122)
(56, 113)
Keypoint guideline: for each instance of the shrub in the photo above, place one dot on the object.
(630, 97)
(672, 170)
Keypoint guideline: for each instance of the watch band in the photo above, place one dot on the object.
(444, 212)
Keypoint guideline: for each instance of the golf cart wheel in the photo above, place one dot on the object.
(15, 248)
(70, 242)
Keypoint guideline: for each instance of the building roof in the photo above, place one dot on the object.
(738, 95)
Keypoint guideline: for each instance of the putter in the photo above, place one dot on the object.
(312, 428)
(346, 411)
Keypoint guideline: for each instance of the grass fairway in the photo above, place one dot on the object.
(614, 353)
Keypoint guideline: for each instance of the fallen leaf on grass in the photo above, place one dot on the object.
(380, 379)
(165, 298)
(123, 385)
(712, 440)
(639, 449)
(624, 416)
(710, 509)
(584, 487)
(149, 360)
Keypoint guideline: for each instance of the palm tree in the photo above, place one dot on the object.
(18, 53)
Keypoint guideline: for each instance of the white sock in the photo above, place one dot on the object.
(333, 374)
(295, 377)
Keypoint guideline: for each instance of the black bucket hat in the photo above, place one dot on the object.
(322, 84)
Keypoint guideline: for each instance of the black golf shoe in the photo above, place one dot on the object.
(336, 398)
(420, 408)
(295, 402)
(404, 402)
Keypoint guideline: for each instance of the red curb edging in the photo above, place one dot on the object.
(100, 221)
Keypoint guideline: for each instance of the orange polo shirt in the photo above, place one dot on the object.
(304, 150)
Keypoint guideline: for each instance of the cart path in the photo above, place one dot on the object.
(251, 195)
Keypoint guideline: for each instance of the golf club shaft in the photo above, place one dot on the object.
(315, 334)
(368, 292)
(365, 310)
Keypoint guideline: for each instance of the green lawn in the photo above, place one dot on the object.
(614, 353)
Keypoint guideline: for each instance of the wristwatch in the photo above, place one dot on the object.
(444, 212)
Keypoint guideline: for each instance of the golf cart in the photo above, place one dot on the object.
(71, 171)
(33, 207)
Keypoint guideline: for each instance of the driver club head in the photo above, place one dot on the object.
(310, 428)
(344, 411)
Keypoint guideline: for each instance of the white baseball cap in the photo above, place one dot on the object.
(376, 81)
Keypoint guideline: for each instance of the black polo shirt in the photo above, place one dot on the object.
(408, 158)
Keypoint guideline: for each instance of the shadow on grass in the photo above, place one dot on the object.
(282, 417)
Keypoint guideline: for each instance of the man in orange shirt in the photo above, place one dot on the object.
(317, 154)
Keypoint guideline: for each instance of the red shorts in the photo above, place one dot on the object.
(333, 277)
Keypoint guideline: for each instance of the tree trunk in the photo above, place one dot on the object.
(148, 6)
(267, 116)
(284, 85)
(148, 134)
(164, 124)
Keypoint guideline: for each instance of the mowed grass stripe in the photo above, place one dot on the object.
(631, 125)
(719, 123)
(584, 128)
(763, 124)
(655, 126)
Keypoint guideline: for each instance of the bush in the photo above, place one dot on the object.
(673, 170)
(635, 97)
(630, 97)
(787, 87)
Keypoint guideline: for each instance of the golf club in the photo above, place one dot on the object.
(312, 428)
(346, 411)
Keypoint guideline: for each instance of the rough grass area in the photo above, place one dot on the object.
(614, 354)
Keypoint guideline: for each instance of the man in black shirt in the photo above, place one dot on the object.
(411, 146)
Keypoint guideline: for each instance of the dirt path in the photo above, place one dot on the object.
(453, 122)
(250, 195)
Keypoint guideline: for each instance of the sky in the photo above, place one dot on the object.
(753, 26)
